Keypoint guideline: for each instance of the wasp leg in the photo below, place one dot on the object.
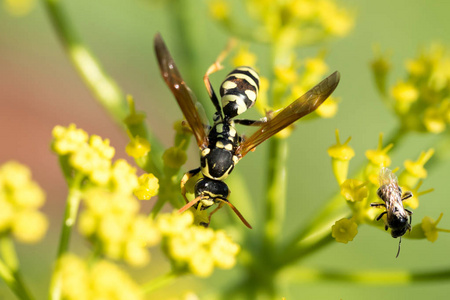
(216, 209)
(381, 215)
(216, 66)
(248, 122)
(188, 175)
(377, 205)
(407, 195)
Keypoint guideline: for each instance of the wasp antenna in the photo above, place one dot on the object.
(188, 205)
(236, 211)
(399, 243)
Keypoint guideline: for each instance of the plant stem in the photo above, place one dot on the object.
(367, 277)
(9, 269)
(276, 192)
(104, 88)
(159, 282)
(14, 281)
(70, 216)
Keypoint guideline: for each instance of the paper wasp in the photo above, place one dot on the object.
(221, 147)
(398, 218)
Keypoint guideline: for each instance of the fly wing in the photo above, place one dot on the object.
(297, 109)
(183, 94)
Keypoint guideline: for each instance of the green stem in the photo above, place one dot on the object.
(14, 281)
(8, 252)
(276, 192)
(367, 277)
(9, 268)
(159, 282)
(70, 216)
(105, 89)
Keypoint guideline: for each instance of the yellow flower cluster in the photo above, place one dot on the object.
(111, 218)
(112, 221)
(291, 22)
(422, 100)
(361, 191)
(20, 198)
(193, 248)
(98, 280)
(90, 156)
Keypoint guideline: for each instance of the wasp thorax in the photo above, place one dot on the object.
(217, 164)
(239, 91)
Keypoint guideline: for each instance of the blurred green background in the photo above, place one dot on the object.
(40, 89)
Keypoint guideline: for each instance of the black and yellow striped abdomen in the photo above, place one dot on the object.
(239, 91)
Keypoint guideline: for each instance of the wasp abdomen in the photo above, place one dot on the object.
(239, 91)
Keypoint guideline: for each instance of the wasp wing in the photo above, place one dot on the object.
(297, 109)
(185, 98)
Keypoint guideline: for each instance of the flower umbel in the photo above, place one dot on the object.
(20, 199)
(195, 249)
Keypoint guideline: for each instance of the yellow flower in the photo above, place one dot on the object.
(340, 158)
(68, 140)
(354, 190)
(405, 94)
(138, 147)
(148, 187)
(194, 248)
(434, 120)
(414, 170)
(378, 158)
(328, 109)
(413, 202)
(18, 7)
(20, 197)
(244, 57)
(123, 177)
(98, 280)
(430, 229)
(114, 222)
(344, 230)
(219, 9)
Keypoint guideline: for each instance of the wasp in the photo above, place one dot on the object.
(398, 218)
(221, 147)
